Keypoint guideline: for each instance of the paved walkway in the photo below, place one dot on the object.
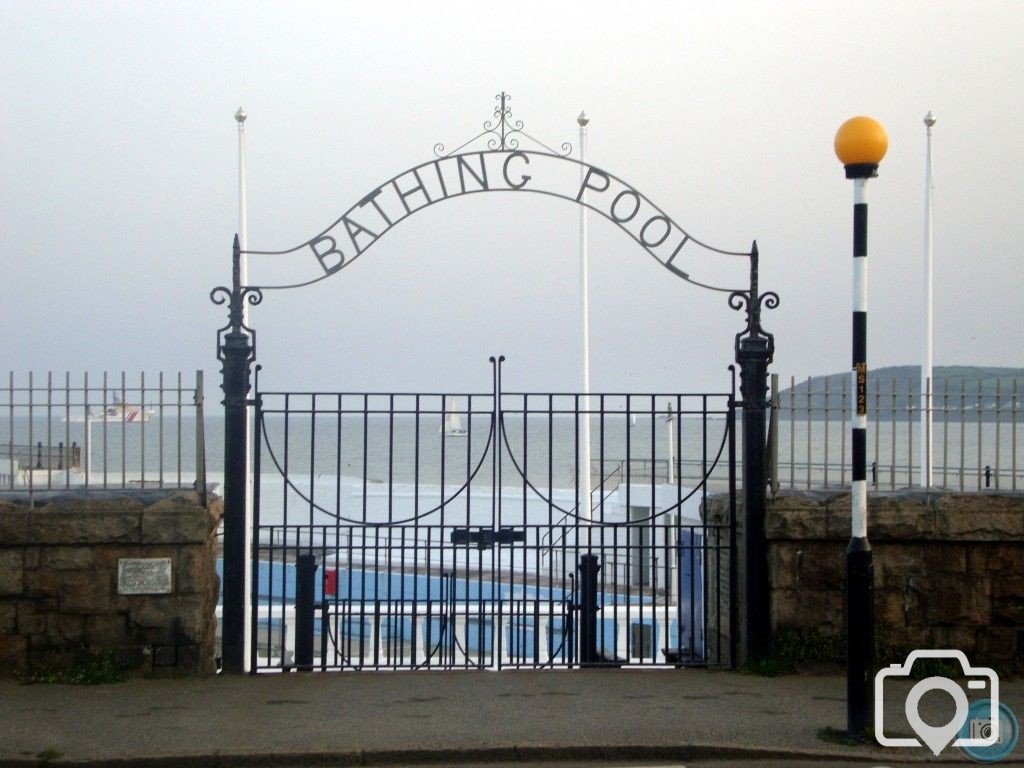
(445, 718)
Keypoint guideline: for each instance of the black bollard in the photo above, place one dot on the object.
(588, 569)
(305, 605)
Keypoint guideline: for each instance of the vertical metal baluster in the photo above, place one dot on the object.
(253, 629)
(124, 433)
(892, 465)
(178, 427)
(650, 524)
(105, 404)
(271, 555)
(416, 541)
(774, 427)
(70, 461)
(160, 431)
(525, 473)
(703, 532)
(31, 440)
(469, 472)
(963, 434)
(49, 430)
(629, 533)
(792, 432)
(551, 532)
(10, 426)
(142, 428)
(1014, 410)
(828, 416)
(999, 418)
(366, 460)
(551, 467)
(375, 624)
(578, 500)
(600, 458)
(495, 645)
(284, 475)
(945, 432)
(88, 428)
(362, 531)
(676, 531)
(429, 647)
(842, 432)
(910, 433)
(391, 458)
(312, 466)
(733, 564)
(810, 455)
(877, 460)
(979, 415)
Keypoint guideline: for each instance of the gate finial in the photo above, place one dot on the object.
(236, 297)
(752, 300)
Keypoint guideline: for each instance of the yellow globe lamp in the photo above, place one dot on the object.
(860, 145)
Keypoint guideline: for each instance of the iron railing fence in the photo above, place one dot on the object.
(99, 433)
(417, 597)
(974, 435)
(448, 531)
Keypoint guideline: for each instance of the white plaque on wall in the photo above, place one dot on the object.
(144, 576)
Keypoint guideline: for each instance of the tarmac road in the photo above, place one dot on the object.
(610, 718)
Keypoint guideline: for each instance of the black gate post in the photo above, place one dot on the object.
(755, 349)
(236, 349)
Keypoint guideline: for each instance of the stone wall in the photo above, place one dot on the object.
(60, 595)
(949, 570)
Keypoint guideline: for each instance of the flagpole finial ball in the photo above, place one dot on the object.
(240, 115)
(861, 141)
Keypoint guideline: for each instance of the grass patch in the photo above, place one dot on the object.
(50, 754)
(791, 646)
(87, 668)
(795, 645)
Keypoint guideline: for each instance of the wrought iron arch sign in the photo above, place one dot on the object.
(497, 170)
(504, 166)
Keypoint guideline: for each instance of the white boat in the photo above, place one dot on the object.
(118, 413)
(452, 424)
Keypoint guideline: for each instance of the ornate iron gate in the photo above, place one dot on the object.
(498, 164)
(447, 531)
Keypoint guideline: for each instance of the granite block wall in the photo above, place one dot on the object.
(60, 594)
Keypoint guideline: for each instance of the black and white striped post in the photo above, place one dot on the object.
(860, 144)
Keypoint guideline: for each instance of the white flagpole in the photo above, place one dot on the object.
(586, 500)
(243, 242)
(927, 381)
(243, 224)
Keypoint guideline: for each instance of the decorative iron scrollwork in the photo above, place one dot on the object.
(503, 133)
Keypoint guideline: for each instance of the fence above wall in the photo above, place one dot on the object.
(976, 434)
(87, 433)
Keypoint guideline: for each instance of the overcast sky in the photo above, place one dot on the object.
(118, 184)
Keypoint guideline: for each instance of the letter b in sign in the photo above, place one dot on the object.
(326, 252)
